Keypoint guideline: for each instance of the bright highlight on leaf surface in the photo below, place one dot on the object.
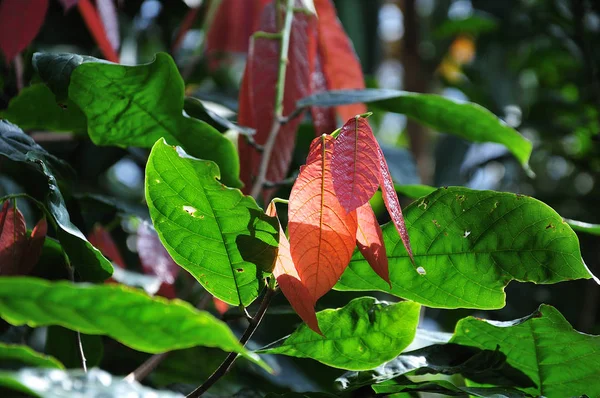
(289, 281)
(322, 232)
(258, 90)
(20, 22)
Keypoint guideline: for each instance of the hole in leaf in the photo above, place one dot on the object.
(467, 233)
(421, 271)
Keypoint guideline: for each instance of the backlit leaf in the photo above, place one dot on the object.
(257, 95)
(156, 260)
(289, 281)
(216, 233)
(463, 119)
(25, 355)
(322, 233)
(361, 335)
(468, 245)
(20, 22)
(13, 240)
(369, 240)
(127, 315)
(339, 62)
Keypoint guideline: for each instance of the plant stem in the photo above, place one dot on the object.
(278, 110)
(147, 367)
(228, 362)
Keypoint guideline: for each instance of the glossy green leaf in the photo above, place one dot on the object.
(463, 119)
(35, 108)
(84, 257)
(136, 105)
(25, 355)
(361, 335)
(216, 233)
(149, 324)
(448, 389)
(468, 245)
(561, 361)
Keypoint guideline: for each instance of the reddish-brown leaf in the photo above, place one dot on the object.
(391, 201)
(13, 241)
(340, 64)
(369, 240)
(289, 281)
(220, 305)
(355, 164)
(3, 215)
(322, 233)
(324, 119)
(34, 247)
(232, 26)
(103, 241)
(96, 28)
(257, 96)
(20, 22)
(156, 260)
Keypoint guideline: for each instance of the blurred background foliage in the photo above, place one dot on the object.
(534, 63)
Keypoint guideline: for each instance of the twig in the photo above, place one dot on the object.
(278, 111)
(228, 362)
(147, 367)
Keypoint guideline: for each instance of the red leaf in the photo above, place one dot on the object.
(232, 26)
(20, 22)
(13, 241)
(156, 260)
(369, 240)
(96, 28)
(103, 241)
(257, 96)
(340, 64)
(289, 281)
(391, 201)
(34, 247)
(3, 214)
(323, 117)
(322, 233)
(355, 164)
(67, 4)
(110, 20)
(220, 305)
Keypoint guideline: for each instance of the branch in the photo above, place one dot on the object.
(228, 362)
(147, 367)
(278, 111)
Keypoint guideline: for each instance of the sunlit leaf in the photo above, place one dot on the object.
(127, 315)
(322, 233)
(10, 353)
(258, 92)
(289, 281)
(20, 22)
(135, 106)
(468, 245)
(216, 233)
(463, 119)
(361, 335)
(448, 389)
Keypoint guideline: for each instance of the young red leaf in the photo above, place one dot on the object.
(220, 305)
(340, 64)
(20, 22)
(110, 21)
(34, 247)
(103, 241)
(13, 241)
(391, 202)
(257, 95)
(322, 233)
(96, 28)
(232, 26)
(369, 240)
(156, 260)
(324, 119)
(3, 215)
(289, 281)
(355, 164)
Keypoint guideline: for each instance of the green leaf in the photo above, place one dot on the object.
(463, 119)
(16, 145)
(25, 355)
(485, 366)
(10, 381)
(88, 261)
(560, 360)
(216, 233)
(361, 335)
(149, 324)
(473, 25)
(580, 226)
(468, 245)
(195, 108)
(414, 191)
(137, 105)
(35, 108)
(448, 389)
(55, 69)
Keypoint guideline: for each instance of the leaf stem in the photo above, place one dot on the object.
(147, 367)
(228, 362)
(278, 110)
